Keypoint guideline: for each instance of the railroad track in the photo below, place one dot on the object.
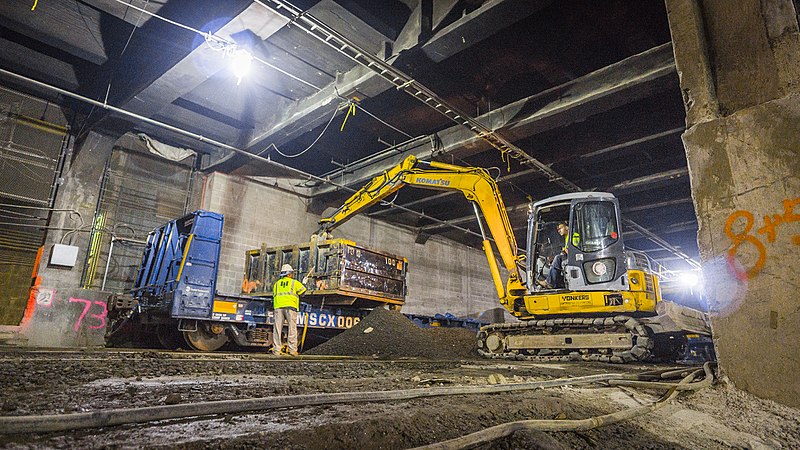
(692, 378)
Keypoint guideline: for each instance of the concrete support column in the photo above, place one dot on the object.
(65, 315)
(739, 74)
(691, 60)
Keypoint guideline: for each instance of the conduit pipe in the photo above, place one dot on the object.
(216, 143)
(110, 417)
(507, 429)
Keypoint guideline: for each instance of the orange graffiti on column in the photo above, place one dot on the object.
(770, 230)
(738, 239)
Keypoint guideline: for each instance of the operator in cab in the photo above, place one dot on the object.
(286, 294)
(555, 278)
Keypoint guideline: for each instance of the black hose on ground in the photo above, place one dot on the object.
(507, 429)
(110, 417)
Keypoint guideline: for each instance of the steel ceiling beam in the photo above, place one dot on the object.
(403, 82)
(657, 205)
(649, 181)
(65, 25)
(187, 75)
(476, 26)
(40, 65)
(626, 145)
(528, 172)
(124, 12)
(406, 83)
(620, 83)
(438, 228)
(312, 111)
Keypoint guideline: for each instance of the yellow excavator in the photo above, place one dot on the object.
(603, 304)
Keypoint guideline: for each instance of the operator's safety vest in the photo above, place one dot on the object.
(286, 293)
(576, 239)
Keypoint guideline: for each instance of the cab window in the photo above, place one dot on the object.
(594, 226)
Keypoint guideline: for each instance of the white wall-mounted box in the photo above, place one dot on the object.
(63, 255)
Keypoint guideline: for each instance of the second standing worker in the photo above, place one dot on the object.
(286, 294)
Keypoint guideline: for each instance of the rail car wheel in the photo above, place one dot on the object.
(207, 337)
(169, 337)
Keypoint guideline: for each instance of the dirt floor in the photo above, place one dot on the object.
(61, 382)
(389, 334)
(58, 382)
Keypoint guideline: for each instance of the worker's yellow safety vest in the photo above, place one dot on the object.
(576, 239)
(286, 293)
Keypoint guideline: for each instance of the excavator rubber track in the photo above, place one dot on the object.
(575, 339)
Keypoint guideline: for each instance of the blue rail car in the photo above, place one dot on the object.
(446, 320)
(174, 294)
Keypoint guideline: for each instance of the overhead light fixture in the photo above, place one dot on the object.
(689, 279)
(241, 62)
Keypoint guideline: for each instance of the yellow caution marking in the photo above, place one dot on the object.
(224, 307)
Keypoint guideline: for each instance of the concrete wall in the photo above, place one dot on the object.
(444, 276)
(744, 171)
(65, 315)
(738, 63)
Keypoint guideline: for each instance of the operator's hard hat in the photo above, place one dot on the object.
(286, 268)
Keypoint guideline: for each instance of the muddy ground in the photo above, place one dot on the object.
(389, 334)
(53, 382)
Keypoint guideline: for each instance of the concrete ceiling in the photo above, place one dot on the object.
(588, 89)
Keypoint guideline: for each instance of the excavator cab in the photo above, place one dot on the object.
(595, 254)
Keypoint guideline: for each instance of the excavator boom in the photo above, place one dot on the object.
(477, 186)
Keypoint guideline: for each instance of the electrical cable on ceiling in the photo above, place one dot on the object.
(214, 42)
(286, 73)
(371, 115)
(113, 74)
(384, 122)
(335, 110)
(499, 173)
(130, 36)
(172, 22)
(351, 110)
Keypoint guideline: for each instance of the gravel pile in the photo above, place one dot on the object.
(389, 334)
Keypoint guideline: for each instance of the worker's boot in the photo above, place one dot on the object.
(293, 353)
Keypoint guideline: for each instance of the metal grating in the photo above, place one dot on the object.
(32, 146)
(29, 155)
(139, 193)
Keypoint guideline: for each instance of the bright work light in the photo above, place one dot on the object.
(241, 61)
(689, 279)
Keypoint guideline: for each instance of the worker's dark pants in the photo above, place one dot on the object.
(555, 278)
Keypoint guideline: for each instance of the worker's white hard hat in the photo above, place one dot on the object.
(287, 268)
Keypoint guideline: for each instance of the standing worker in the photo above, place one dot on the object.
(286, 294)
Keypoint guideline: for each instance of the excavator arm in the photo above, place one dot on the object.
(477, 186)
